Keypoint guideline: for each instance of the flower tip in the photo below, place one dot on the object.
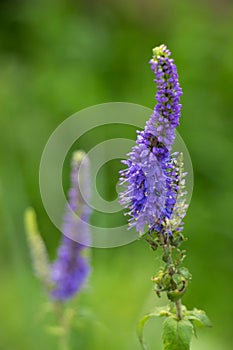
(78, 157)
(160, 51)
(30, 220)
(37, 248)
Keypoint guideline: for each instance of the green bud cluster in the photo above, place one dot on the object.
(37, 248)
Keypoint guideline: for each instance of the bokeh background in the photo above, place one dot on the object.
(59, 56)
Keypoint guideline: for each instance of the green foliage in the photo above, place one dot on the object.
(198, 318)
(172, 278)
(183, 271)
(177, 334)
(158, 312)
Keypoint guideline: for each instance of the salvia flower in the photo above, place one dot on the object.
(71, 269)
(151, 175)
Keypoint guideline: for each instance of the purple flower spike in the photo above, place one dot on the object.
(151, 175)
(71, 269)
(166, 114)
(145, 193)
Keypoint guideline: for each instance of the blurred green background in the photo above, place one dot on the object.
(59, 56)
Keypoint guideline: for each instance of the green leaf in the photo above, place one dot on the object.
(158, 312)
(185, 273)
(199, 317)
(175, 294)
(177, 334)
(177, 278)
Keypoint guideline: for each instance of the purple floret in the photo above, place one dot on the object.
(70, 270)
(145, 195)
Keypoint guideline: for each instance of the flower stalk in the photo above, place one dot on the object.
(155, 199)
(64, 278)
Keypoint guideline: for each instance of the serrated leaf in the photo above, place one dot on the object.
(199, 317)
(177, 334)
(158, 312)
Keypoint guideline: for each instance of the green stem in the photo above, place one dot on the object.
(64, 337)
(179, 309)
(64, 344)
